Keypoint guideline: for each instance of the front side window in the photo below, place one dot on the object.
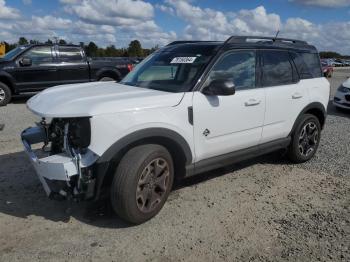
(176, 70)
(238, 67)
(277, 68)
(39, 55)
(70, 54)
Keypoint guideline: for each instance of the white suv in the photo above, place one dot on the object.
(188, 108)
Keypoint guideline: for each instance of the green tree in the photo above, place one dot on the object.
(91, 49)
(329, 54)
(110, 51)
(62, 42)
(22, 41)
(49, 42)
(135, 49)
(33, 42)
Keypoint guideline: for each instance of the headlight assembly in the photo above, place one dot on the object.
(344, 89)
(79, 133)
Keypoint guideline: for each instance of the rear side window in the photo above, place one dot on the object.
(70, 54)
(277, 68)
(40, 55)
(308, 65)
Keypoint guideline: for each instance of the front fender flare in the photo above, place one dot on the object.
(104, 164)
(146, 134)
(9, 79)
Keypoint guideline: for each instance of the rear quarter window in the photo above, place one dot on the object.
(308, 65)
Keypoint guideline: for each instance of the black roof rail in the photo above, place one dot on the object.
(190, 42)
(243, 39)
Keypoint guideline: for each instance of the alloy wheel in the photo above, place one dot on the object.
(152, 185)
(308, 139)
(2, 94)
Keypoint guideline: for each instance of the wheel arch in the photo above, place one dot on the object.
(171, 140)
(316, 109)
(109, 72)
(8, 80)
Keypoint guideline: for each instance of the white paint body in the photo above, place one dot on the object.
(245, 119)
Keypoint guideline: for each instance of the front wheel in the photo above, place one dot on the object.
(142, 183)
(5, 94)
(305, 139)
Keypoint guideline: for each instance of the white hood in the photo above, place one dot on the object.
(91, 99)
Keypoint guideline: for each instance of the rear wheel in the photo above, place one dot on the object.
(142, 183)
(305, 139)
(5, 94)
(106, 79)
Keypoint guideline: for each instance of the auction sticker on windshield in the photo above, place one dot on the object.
(183, 60)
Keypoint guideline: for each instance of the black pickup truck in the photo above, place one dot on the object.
(33, 68)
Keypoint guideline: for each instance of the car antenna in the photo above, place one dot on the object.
(277, 33)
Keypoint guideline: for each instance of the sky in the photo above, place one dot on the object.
(324, 23)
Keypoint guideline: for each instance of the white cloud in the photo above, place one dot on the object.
(120, 21)
(113, 12)
(324, 3)
(8, 12)
(51, 22)
(70, 1)
(166, 9)
(27, 2)
(211, 24)
(215, 25)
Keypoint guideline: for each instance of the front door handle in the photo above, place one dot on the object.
(252, 102)
(297, 95)
(52, 69)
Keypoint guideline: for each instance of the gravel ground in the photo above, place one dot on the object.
(264, 209)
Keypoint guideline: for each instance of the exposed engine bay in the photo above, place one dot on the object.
(66, 169)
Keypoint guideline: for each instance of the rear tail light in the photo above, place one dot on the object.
(130, 67)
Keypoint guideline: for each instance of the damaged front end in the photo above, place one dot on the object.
(64, 164)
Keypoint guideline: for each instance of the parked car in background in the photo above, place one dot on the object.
(33, 68)
(190, 107)
(342, 96)
(346, 62)
(327, 68)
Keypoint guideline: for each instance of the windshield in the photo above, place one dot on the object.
(13, 53)
(170, 71)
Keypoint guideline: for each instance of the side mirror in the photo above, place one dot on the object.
(25, 61)
(220, 87)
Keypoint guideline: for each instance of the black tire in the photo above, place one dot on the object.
(5, 94)
(342, 110)
(127, 183)
(298, 146)
(106, 78)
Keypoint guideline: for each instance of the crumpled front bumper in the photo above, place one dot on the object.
(51, 170)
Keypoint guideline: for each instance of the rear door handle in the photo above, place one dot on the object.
(297, 96)
(252, 102)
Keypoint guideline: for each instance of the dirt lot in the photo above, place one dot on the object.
(265, 209)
